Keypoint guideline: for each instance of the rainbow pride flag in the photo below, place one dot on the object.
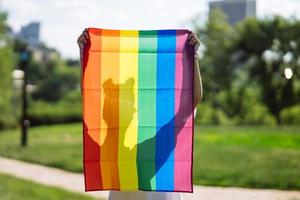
(137, 89)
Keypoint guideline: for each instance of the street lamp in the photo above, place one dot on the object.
(288, 73)
(22, 73)
(18, 78)
(18, 81)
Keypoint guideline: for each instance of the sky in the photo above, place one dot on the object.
(63, 20)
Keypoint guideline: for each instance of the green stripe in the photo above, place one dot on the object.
(147, 109)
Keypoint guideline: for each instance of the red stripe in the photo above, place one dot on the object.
(91, 120)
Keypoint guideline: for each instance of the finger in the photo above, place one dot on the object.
(195, 36)
(191, 35)
(82, 39)
(85, 30)
(86, 34)
(192, 41)
(195, 42)
(80, 43)
(79, 40)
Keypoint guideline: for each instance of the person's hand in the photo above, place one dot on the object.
(194, 41)
(83, 38)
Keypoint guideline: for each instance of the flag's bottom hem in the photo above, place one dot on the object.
(180, 191)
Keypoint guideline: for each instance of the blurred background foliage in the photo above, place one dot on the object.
(242, 69)
(54, 95)
(7, 64)
(57, 97)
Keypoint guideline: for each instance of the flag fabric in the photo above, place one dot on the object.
(137, 91)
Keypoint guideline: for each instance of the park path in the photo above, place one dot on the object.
(74, 182)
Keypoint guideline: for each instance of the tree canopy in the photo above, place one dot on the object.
(246, 64)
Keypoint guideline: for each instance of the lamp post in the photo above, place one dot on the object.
(24, 58)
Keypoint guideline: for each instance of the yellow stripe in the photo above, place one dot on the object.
(128, 116)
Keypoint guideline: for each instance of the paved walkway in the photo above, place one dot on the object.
(74, 182)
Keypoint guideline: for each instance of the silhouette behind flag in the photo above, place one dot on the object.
(138, 110)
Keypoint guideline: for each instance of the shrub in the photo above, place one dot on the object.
(206, 114)
(291, 115)
(244, 105)
(41, 112)
(257, 114)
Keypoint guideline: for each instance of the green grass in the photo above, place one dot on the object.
(260, 156)
(12, 188)
(55, 145)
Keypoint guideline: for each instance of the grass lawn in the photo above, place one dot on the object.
(261, 157)
(12, 188)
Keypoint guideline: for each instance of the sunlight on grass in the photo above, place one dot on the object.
(260, 157)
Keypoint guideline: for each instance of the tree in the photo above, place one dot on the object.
(217, 72)
(216, 39)
(6, 68)
(267, 47)
(59, 79)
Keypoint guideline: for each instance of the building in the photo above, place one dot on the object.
(30, 33)
(235, 10)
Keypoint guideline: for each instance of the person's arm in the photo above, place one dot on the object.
(82, 39)
(198, 90)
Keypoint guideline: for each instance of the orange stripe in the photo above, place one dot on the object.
(110, 46)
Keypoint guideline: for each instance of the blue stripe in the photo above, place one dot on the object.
(165, 105)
